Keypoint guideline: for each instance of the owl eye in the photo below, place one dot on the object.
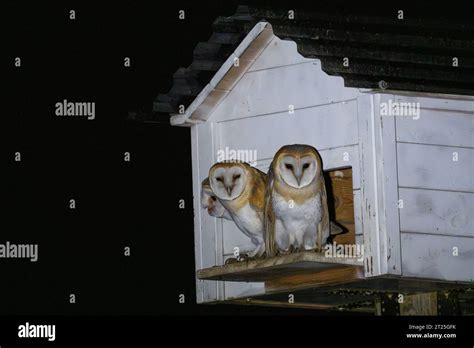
(219, 178)
(213, 198)
(236, 176)
(306, 166)
(288, 166)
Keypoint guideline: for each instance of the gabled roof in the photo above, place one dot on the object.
(227, 76)
(414, 54)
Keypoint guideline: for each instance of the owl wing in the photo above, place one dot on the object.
(269, 218)
(257, 198)
(323, 228)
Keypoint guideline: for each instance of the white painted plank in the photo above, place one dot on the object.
(340, 157)
(438, 128)
(323, 127)
(233, 237)
(431, 256)
(432, 167)
(455, 103)
(278, 53)
(273, 90)
(438, 212)
(242, 290)
(204, 225)
(387, 188)
(368, 185)
(358, 213)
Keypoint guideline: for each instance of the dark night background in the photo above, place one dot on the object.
(118, 203)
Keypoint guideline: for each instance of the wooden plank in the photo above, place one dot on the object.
(368, 187)
(437, 127)
(433, 256)
(414, 86)
(204, 109)
(240, 289)
(323, 278)
(313, 298)
(324, 127)
(437, 212)
(438, 102)
(387, 188)
(272, 303)
(341, 203)
(278, 53)
(357, 215)
(432, 167)
(305, 85)
(204, 225)
(276, 267)
(419, 304)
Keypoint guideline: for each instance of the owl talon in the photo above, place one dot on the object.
(283, 252)
(231, 260)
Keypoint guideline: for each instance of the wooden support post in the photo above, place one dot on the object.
(419, 304)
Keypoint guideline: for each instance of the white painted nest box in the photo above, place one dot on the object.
(400, 164)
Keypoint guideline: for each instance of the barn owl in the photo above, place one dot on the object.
(296, 212)
(210, 202)
(240, 188)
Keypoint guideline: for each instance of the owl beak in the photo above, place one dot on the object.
(229, 190)
(298, 174)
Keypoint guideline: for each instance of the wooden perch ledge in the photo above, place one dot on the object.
(277, 267)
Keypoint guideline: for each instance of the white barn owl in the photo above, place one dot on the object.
(240, 188)
(210, 202)
(296, 212)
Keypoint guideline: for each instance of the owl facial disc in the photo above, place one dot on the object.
(296, 171)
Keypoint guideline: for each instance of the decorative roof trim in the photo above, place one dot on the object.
(226, 77)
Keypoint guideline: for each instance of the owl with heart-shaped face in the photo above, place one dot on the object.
(240, 188)
(296, 212)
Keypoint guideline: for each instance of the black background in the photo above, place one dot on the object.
(118, 203)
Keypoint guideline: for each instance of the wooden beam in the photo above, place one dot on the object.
(324, 278)
(276, 267)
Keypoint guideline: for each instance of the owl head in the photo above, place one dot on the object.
(297, 165)
(228, 179)
(209, 200)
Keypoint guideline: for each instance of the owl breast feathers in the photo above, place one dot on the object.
(296, 213)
